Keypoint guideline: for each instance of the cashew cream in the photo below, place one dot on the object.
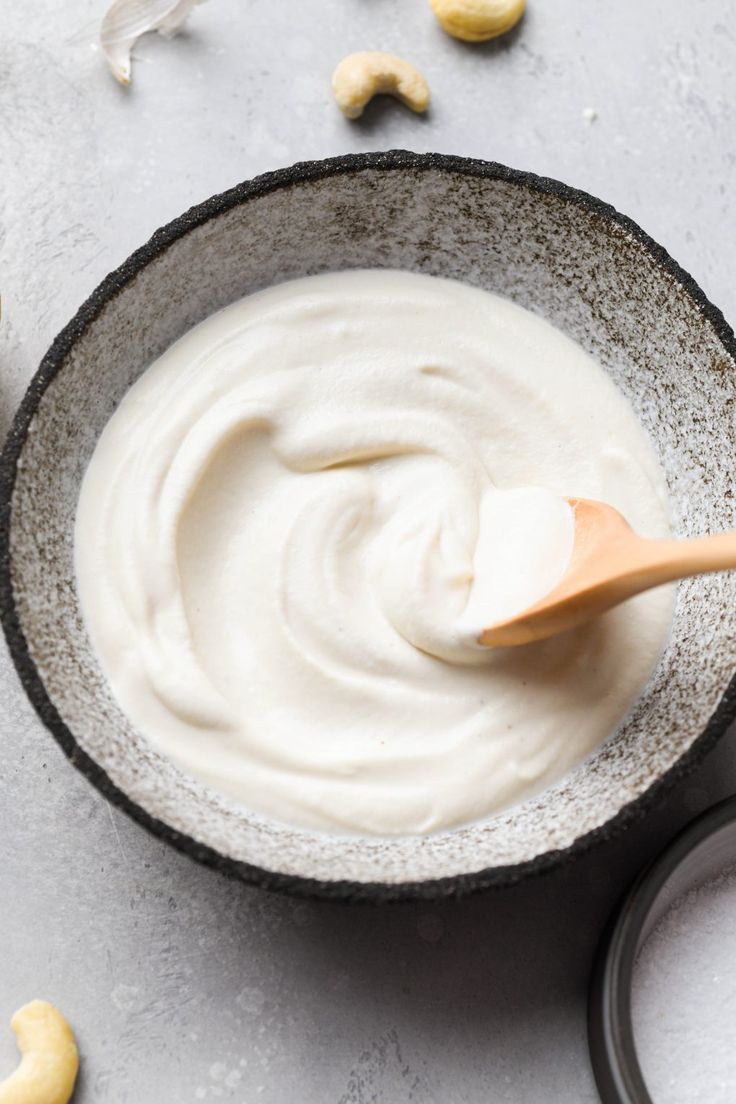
(299, 519)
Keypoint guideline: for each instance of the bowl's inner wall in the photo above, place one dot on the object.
(582, 271)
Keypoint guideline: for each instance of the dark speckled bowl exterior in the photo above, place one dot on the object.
(556, 251)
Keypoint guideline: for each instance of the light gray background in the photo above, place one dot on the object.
(181, 985)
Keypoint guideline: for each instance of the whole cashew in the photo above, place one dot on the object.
(49, 1058)
(477, 20)
(360, 77)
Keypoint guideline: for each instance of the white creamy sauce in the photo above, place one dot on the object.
(299, 519)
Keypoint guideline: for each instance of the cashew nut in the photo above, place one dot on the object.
(477, 20)
(49, 1058)
(360, 77)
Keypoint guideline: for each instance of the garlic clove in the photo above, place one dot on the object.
(126, 20)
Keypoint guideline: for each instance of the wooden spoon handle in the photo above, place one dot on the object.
(674, 559)
(633, 565)
(601, 577)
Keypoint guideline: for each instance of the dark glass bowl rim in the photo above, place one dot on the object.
(610, 1023)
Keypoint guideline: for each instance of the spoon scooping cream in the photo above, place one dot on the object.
(609, 564)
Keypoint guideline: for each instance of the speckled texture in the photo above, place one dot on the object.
(560, 253)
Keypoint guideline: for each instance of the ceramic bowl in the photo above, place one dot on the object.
(556, 251)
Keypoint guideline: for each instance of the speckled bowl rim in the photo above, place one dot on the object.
(305, 172)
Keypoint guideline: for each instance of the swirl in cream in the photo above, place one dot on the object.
(299, 519)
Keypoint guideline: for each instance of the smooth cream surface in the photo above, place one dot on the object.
(299, 519)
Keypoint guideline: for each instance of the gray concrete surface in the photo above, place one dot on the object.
(183, 986)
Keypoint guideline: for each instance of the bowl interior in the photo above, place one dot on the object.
(555, 252)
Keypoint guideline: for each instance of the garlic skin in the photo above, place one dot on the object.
(126, 20)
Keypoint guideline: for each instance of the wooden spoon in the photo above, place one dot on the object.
(609, 564)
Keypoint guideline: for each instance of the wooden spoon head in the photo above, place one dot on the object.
(602, 546)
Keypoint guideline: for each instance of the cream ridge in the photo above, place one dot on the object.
(301, 516)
